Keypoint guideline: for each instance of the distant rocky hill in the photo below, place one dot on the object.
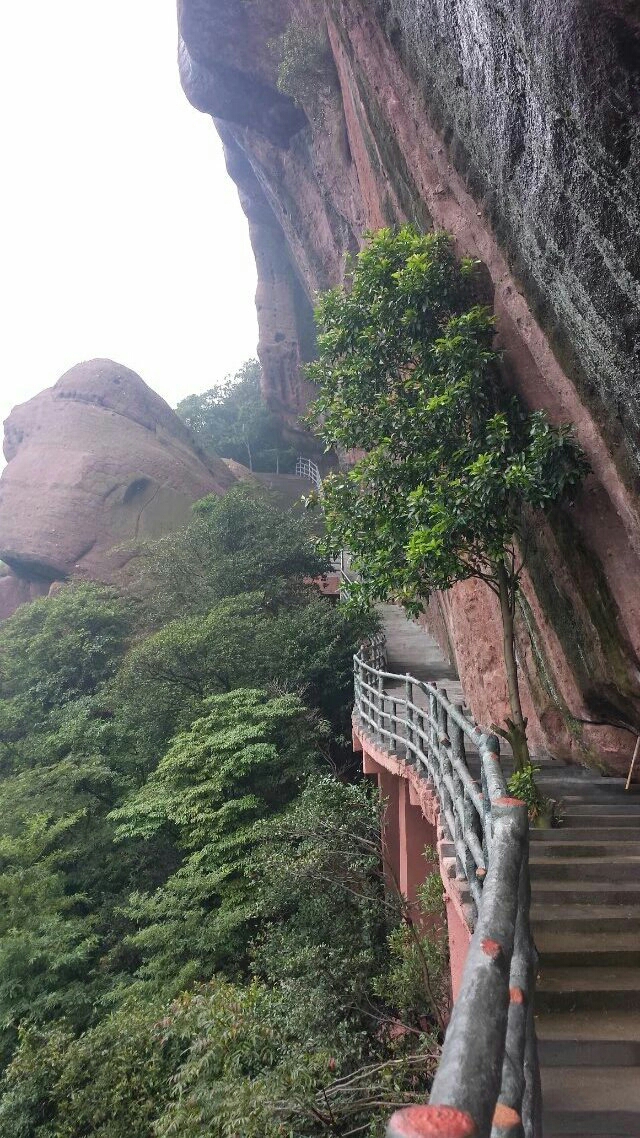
(93, 463)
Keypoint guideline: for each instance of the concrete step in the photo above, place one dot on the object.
(564, 848)
(617, 868)
(411, 649)
(582, 892)
(626, 831)
(585, 783)
(587, 948)
(587, 775)
(571, 797)
(590, 1101)
(591, 809)
(587, 918)
(588, 1039)
(576, 988)
(608, 806)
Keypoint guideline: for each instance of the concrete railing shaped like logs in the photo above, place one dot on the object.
(487, 1084)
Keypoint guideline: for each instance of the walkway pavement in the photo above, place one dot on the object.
(585, 878)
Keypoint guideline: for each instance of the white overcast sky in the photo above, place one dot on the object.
(120, 233)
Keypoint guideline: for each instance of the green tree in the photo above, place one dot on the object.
(328, 1035)
(239, 543)
(232, 854)
(112, 1080)
(242, 761)
(306, 649)
(59, 649)
(453, 466)
(310, 1048)
(234, 421)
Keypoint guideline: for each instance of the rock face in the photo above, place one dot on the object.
(516, 125)
(93, 463)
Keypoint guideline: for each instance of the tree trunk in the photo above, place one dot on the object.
(517, 725)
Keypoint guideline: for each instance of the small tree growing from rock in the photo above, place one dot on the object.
(452, 465)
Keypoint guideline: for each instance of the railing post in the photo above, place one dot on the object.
(521, 1073)
(443, 719)
(421, 743)
(380, 724)
(394, 720)
(470, 827)
(359, 681)
(356, 683)
(447, 773)
(491, 745)
(433, 735)
(466, 807)
(408, 688)
(462, 867)
(456, 734)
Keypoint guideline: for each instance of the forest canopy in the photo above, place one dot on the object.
(232, 420)
(194, 936)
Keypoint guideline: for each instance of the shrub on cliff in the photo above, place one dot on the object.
(453, 465)
(306, 70)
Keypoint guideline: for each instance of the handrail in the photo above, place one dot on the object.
(307, 468)
(342, 566)
(374, 650)
(487, 1082)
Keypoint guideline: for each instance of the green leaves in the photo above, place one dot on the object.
(74, 645)
(233, 421)
(240, 543)
(192, 918)
(243, 741)
(238, 764)
(407, 373)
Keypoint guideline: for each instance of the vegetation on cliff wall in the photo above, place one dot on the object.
(306, 70)
(194, 935)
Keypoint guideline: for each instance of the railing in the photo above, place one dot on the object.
(374, 651)
(487, 1083)
(342, 566)
(307, 468)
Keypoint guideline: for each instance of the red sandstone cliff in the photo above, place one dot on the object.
(516, 126)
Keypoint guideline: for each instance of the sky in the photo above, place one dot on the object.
(121, 234)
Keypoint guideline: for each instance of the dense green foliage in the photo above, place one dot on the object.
(194, 934)
(306, 70)
(233, 421)
(453, 465)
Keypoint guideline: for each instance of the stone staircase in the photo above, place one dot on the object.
(585, 880)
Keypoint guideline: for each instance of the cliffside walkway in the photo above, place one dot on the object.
(585, 914)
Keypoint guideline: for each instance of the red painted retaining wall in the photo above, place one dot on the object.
(412, 823)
